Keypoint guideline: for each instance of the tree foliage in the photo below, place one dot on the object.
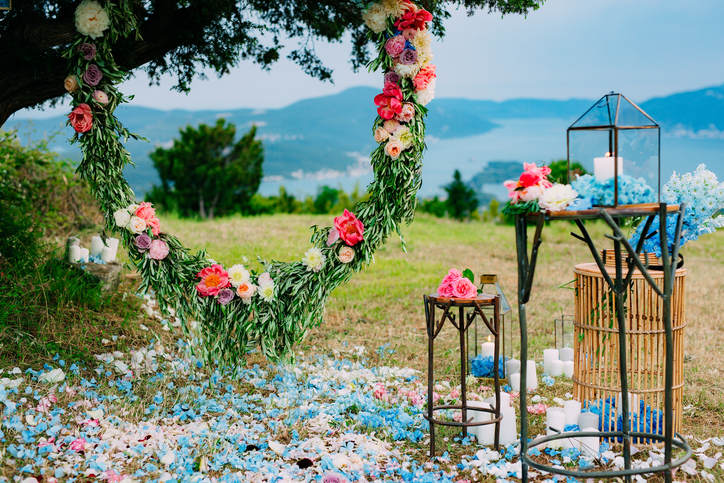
(461, 199)
(184, 38)
(206, 173)
(559, 171)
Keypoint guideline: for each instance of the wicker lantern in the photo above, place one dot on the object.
(480, 334)
(619, 144)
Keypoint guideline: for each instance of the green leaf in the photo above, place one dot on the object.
(467, 273)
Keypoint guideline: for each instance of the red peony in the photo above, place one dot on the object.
(81, 118)
(350, 228)
(390, 101)
(413, 19)
(213, 279)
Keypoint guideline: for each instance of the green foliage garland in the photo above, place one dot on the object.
(229, 332)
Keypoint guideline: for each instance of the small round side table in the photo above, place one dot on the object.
(462, 322)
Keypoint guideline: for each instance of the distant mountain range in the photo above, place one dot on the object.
(334, 132)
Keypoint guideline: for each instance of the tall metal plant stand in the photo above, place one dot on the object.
(462, 321)
(618, 286)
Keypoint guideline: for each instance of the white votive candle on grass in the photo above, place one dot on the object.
(484, 434)
(83, 256)
(73, 254)
(107, 254)
(96, 246)
(568, 368)
(508, 425)
(113, 244)
(549, 355)
(566, 354)
(572, 409)
(531, 378)
(590, 444)
(511, 367)
(556, 368)
(514, 380)
(604, 168)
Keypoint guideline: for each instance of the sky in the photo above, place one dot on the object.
(566, 49)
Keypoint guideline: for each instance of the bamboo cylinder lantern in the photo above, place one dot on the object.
(597, 381)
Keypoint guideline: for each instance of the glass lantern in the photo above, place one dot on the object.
(563, 328)
(479, 333)
(618, 145)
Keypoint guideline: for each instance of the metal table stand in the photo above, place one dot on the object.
(618, 286)
(462, 322)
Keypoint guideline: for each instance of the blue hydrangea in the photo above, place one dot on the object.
(631, 191)
(483, 366)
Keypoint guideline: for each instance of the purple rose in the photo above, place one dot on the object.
(143, 242)
(88, 51)
(393, 77)
(93, 75)
(333, 477)
(225, 296)
(407, 57)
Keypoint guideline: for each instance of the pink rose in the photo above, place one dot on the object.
(81, 118)
(100, 97)
(394, 148)
(445, 287)
(146, 211)
(246, 291)
(409, 34)
(158, 250)
(93, 75)
(381, 134)
(395, 45)
(155, 225)
(407, 113)
(423, 78)
(464, 289)
(346, 254)
(445, 290)
(391, 125)
(350, 229)
(213, 279)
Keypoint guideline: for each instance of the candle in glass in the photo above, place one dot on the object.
(488, 349)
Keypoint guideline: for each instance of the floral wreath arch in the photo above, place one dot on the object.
(238, 309)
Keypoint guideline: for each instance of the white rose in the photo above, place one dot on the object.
(122, 218)
(133, 207)
(346, 254)
(91, 19)
(531, 193)
(137, 225)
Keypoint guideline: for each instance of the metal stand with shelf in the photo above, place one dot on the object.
(618, 286)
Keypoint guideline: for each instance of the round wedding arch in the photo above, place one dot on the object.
(239, 309)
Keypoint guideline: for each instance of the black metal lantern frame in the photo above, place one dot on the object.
(616, 138)
(480, 333)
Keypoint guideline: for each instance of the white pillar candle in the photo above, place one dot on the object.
(568, 368)
(511, 367)
(83, 256)
(484, 434)
(555, 423)
(556, 368)
(531, 377)
(514, 380)
(590, 444)
(476, 416)
(566, 354)
(113, 243)
(588, 420)
(487, 349)
(603, 168)
(633, 404)
(96, 246)
(508, 426)
(107, 254)
(505, 399)
(572, 409)
(549, 355)
(73, 254)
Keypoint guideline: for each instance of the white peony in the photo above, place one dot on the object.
(314, 259)
(422, 43)
(376, 18)
(394, 8)
(266, 291)
(238, 275)
(531, 193)
(122, 217)
(409, 71)
(557, 197)
(91, 19)
(425, 96)
(403, 135)
(137, 225)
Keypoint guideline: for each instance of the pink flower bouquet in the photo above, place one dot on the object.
(456, 285)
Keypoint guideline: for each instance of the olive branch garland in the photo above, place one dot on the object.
(229, 332)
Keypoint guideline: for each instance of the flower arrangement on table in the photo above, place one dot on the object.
(238, 309)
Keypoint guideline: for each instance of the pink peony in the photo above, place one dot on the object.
(395, 45)
(332, 237)
(407, 113)
(413, 19)
(391, 125)
(423, 78)
(464, 289)
(409, 34)
(350, 229)
(100, 97)
(389, 102)
(81, 118)
(213, 279)
(158, 250)
(155, 225)
(533, 175)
